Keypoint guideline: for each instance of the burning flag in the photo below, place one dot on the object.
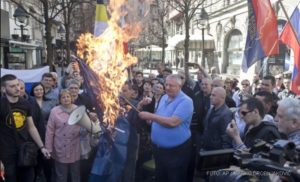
(106, 57)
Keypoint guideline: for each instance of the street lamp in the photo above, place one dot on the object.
(61, 31)
(201, 23)
(21, 16)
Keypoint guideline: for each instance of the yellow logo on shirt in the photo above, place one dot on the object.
(19, 119)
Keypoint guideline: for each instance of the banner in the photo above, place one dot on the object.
(291, 37)
(101, 18)
(262, 35)
(29, 76)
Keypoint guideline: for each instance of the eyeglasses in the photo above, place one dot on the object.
(244, 113)
(245, 84)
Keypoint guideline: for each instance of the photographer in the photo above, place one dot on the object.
(288, 119)
(252, 112)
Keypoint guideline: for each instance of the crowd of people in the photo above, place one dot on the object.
(171, 117)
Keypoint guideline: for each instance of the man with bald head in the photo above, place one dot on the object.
(214, 136)
(218, 82)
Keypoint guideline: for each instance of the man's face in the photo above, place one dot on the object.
(206, 86)
(172, 87)
(215, 98)
(139, 78)
(199, 75)
(245, 85)
(246, 114)
(284, 125)
(158, 88)
(47, 82)
(74, 90)
(160, 68)
(267, 106)
(287, 83)
(127, 92)
(22, 88)
(166, 73)
(12, 88)
(266, 85)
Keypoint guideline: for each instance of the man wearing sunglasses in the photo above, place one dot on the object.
(252, 112)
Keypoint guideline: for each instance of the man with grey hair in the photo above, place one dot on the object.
(288, 118)
(170, 132)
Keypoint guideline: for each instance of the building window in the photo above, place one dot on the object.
(234, 48)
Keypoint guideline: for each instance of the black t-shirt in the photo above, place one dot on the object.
(20, 110)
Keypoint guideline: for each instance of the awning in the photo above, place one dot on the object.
(177, 41)
(24, 45)
(151, 47)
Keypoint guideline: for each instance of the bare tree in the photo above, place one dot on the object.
(50, 10)
(187, 8)
(158, 25)
(68, 9)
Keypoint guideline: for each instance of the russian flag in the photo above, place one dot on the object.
(101, 18)
(262, 35)
(30, 76)
(291, 37)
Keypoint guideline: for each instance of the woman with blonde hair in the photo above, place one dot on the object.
(63, 140)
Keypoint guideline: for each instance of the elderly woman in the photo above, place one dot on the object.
(63, 140)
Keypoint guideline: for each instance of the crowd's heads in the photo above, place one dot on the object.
(147, 86)
(158, 88)
(160, 68)
(206, 86)
(266, 98)
(127, 91)
(268, 83)
(173, 85)
(252, 110)
(218, 82)
(167, 72)
(73, 86)
(48, 81)
(139, 77)
(10, 85)
(22, 88)
(217, 97)
(279, 80)
(245, 85)
(37, 90)
(65, 97)
(287, 83)
(288, 115)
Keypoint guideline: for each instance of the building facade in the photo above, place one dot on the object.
(224, 38)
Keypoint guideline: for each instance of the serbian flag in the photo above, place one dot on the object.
(262, 35)
(101, 18)
(291, 37)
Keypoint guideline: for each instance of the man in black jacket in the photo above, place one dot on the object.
(214, 135)
(252, 112)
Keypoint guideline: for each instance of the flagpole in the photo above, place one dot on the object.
(288, 18)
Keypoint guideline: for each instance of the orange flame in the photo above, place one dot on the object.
(106, 57)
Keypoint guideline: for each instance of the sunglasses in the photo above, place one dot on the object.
(244, 113)
(245, 85)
